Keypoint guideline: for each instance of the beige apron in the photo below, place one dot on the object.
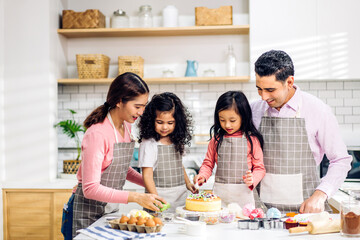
(169, 177)
(291, 172)
(87, 211)
(231, 166)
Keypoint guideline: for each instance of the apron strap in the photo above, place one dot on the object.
(112, 123)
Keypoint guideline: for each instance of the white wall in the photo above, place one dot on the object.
(2, 139)
(321, 36)
(30, 90)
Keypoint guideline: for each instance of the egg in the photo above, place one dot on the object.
(132, 220)
(124, 219)
(150, 223)
(141, 221)
(157, 221)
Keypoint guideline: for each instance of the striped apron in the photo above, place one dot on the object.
(291, 172)
(169, 177)
(231, 166)
(87, 211)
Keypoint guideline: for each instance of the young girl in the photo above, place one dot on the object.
(107, 149)
(236, 148)
(165, 128)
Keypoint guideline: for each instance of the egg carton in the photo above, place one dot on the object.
(115, 224)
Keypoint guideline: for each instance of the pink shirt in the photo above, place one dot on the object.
(255, 163)
(96, 154)
(323, 134)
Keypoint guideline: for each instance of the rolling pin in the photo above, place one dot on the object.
(319, 227)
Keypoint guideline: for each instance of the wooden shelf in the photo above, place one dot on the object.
(159, 31)
(78, 81)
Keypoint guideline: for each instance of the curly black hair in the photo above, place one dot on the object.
(166, 102)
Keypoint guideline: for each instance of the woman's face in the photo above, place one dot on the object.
(133, 109)
(164, 123)
(230, 121)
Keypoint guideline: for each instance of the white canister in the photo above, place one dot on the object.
(170, 16)
(119, 19)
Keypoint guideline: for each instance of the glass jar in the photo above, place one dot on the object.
(145, 16)
(350, 215)
(119, 19)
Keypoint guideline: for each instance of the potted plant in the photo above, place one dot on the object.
(72, 129)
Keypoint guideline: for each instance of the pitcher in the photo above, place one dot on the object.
(191, 69)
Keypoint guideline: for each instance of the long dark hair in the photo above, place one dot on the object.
(166, 102)
(235, 100)
(124, 88)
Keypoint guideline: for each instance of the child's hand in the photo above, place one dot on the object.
(199, 179)
(248, 178)
(191, 188)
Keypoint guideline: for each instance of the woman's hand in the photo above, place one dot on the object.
(191, 187)
(147, 200)
(248, 178)
(199, 180)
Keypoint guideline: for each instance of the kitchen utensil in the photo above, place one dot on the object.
(243, 224)
(350, 215)
(254, 224)
(191, 68)
(184, 219)
(319, 227)
(168, 217)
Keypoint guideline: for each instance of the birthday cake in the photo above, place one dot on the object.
(203, 202)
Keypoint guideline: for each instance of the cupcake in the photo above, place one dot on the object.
(290, 223)
(131, 225)
(150, 226)
(303, 223)
(140, 225)
(123, 222)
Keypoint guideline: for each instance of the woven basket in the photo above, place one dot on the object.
(210, 17)
(134, 64)
(91, 18)
(71, 166)
(92, 65)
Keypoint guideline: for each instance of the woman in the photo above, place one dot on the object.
(107, 149)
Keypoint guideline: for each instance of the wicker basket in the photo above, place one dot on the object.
(209, 17)
(92, 65)
(91, 18)
(134, 64)
(71, 166)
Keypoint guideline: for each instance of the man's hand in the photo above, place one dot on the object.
(315, 203)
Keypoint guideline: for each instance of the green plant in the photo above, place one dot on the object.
(71, 128)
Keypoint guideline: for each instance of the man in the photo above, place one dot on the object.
(298, 129)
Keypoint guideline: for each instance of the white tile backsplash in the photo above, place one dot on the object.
(200, 98)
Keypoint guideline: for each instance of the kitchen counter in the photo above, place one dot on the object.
(227, 231)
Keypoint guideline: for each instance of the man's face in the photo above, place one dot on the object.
(275, 93)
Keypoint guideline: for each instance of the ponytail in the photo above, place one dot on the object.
(124, 88)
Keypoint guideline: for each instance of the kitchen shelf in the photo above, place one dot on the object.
(158, 31)
(78, 81)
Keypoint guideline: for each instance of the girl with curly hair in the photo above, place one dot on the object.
(165, 129)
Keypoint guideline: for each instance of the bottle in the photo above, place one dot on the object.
(350, 215)
(230, 62)
(119, 19)
(170, 16)
(145, 16)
